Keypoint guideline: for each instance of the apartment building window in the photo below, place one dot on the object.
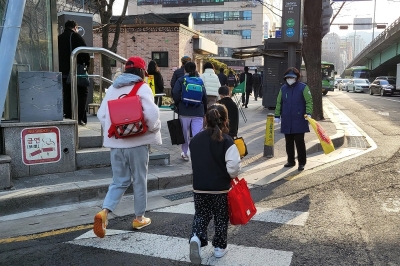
(191, 2)
(225, 51)
(211, 31)
(246, 34)
(161, 58)
(149, 2)
(237, 15)
(220, 17)
(208, 17)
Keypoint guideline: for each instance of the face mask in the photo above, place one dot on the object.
(290, 81)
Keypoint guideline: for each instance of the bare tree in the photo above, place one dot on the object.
(105, 9)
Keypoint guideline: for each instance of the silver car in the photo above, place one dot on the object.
(357, 85)
(342, 84)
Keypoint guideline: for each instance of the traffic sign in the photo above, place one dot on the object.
(290, 32)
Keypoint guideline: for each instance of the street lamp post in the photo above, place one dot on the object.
(373, 23)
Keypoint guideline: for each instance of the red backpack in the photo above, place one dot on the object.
(126, 115)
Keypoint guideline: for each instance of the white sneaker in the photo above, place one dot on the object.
(184, 157)
(195, 252)
(220, 252)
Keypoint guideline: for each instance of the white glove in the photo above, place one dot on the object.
(277, 120)
(309, 116)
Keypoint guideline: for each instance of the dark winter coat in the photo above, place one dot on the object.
(249, 81)
(293, 102)
(222, 78)
(180, 72)
(233, 115)
(64, 50)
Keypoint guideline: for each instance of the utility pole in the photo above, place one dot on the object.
(373, 23)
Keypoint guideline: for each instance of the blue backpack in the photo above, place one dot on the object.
(192, 91)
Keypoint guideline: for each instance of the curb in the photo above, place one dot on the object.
(30, 199)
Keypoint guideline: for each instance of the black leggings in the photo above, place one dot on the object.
(206, 207)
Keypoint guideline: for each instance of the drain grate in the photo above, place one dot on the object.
(178, 196)
(357, 142)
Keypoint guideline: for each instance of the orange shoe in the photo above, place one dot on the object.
(100, 224)
(136, 224)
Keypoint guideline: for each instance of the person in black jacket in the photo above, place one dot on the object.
(152, 69)
(215, 160)
(180, 72)
(67, 42)
(222, 77)
(233, 112)
(248, 77)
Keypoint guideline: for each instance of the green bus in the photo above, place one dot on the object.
(358, 72)
(327, 72)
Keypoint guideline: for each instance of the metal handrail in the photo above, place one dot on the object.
(74, 88)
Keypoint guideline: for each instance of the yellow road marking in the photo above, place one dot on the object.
(45, 234)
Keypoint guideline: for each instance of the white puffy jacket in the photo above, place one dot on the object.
(211, 82)
(123, 84)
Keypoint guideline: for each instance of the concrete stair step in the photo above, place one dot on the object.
(90, 142)
(100, 157)
(5, 171)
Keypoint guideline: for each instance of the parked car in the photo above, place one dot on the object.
(386, 77)
(336, 84)
(383, 87)
(357, 85)
(342, 84)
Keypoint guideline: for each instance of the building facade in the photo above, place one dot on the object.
(229, 23)
(156, 38)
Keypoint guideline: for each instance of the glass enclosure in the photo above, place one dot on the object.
(34, 50)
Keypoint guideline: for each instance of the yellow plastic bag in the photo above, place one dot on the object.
(324, 139)
(241, 146)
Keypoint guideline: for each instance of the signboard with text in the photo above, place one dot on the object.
(40, 145)
(292, 21)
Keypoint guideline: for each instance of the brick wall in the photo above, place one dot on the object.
(175, 39)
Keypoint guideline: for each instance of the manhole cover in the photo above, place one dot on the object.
(357, 142)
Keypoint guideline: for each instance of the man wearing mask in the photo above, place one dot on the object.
(293, 103)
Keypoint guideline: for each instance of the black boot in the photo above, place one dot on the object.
(288, 164)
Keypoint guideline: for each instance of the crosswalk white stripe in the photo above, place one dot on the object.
(270, 215)
(177, 249)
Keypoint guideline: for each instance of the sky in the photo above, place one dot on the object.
(386, 12)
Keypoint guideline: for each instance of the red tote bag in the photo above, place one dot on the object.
(240, 203)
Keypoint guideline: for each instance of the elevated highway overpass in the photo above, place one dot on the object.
(382, 55)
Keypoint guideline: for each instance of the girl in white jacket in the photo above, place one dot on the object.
(211, 83)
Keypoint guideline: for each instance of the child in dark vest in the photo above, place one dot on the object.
(215, 160)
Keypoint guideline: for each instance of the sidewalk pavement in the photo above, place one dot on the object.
(33, 193)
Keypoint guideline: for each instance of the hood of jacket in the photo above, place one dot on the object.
(126, 79)
(209, 70)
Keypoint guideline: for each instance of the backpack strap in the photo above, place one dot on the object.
(135, 88)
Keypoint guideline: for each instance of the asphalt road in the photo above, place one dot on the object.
(344, 214)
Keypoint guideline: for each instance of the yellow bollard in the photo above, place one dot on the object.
(269, 137)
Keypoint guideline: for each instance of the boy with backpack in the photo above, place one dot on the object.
(129, 156)
(190, 99)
